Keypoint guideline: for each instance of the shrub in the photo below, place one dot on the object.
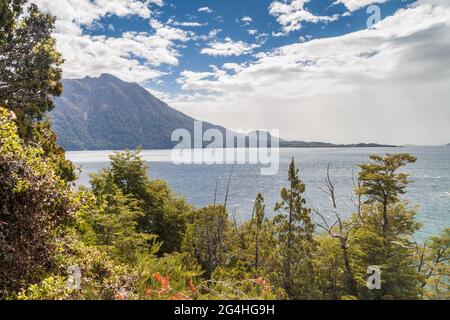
(34, 201)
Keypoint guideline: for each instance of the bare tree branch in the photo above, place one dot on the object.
(228, 186)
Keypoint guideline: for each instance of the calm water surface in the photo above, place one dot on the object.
(430, 190)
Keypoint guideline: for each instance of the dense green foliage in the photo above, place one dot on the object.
(160, 212)
(33, 201)
(130, 237)
(133, 239)
(29, 63)
(30, 76)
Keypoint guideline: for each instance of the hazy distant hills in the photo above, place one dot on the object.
(303, 144)
(107, 113)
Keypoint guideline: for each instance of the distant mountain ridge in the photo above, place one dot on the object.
(106, 113)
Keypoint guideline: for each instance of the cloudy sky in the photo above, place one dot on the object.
(315, 69)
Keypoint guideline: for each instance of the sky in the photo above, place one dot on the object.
(342, 71)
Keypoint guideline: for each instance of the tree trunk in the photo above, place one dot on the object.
(288, 279)
(351, 282)
(257, 249)
(385, 215)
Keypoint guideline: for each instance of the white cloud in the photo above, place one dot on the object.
(386, 85)
(212, 35)
(229, 48)
(246, 20)
(353, 5)
(132, 56)
(205, 9)
(188, 24)
(85, 12)
(236, 68)
(291, 13)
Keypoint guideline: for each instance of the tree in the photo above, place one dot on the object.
(340, 230)
(30, 76)
(295, 232)
(102, 277)
(130, 173)
(330, 269)
(34, 201)
(164, 214)
(110, 221)
(9, 12)
(380, 181)
(384, 229)
(205, 238)
(30, 70)
(434, 265)
(258, 220)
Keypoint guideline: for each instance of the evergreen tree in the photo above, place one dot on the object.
(258, 220)
(130, 173)
(380, 182)
(385, 226)
(30, 70)
(111, 222)
(30, 76)
(330, 269)
(295, 230)
(163, 214)
(434, 265)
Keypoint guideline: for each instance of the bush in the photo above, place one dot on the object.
(34, 201)
(102, 278)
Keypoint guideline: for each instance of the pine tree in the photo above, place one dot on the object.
(295, 230)
(259, 220)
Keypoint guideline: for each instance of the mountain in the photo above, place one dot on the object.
(106, 113)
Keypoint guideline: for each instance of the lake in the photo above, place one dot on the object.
(430, 190)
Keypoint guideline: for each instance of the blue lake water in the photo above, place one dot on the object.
(430, 190)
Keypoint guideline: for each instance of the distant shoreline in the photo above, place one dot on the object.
(300, 144)
(282, 146)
